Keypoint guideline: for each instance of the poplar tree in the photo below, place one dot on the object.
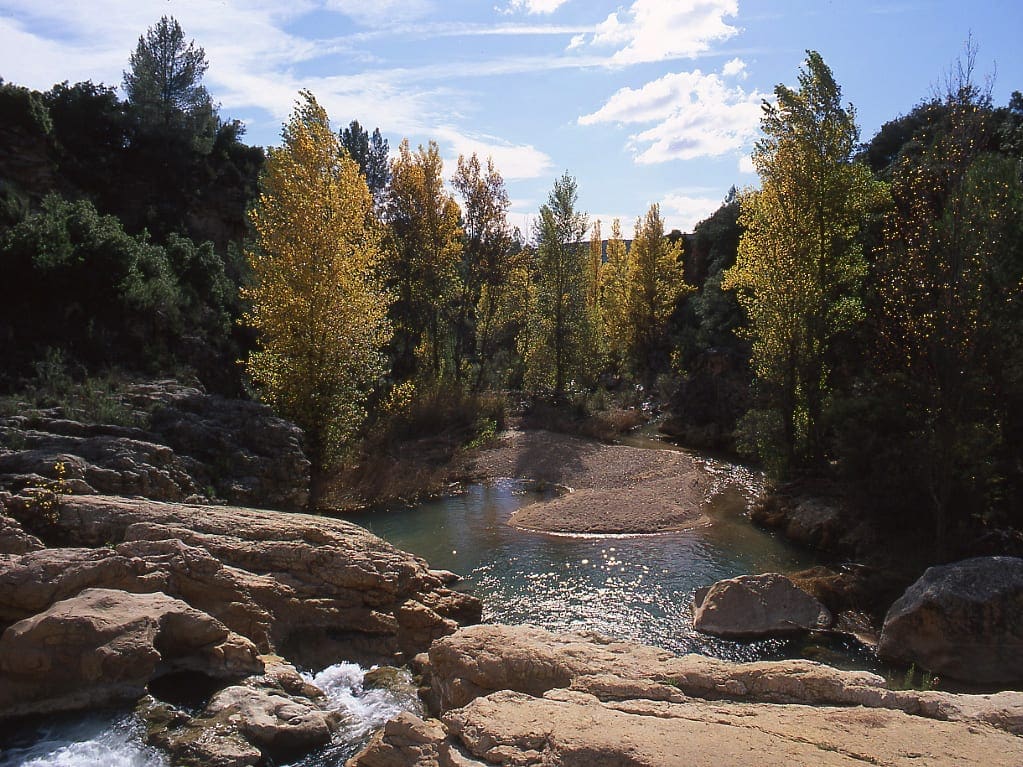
(422, 263)
(655, 286)
(560, 336)
(800, 268)
(487, 260)
(318, 309)
(615, 278)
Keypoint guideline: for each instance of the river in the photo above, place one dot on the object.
(637, 588)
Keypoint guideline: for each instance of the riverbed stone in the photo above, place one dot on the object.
(962, 620)
(103, 646)
(753, 606)
(311, 588)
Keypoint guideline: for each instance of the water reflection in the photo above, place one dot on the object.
(638, 588)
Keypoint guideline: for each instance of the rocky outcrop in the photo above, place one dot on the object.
(188, 445)
(585, 700)
(14, 539)
(103, 646)
(752, 606)
(961, 620)
(313, 588)
(815, 516)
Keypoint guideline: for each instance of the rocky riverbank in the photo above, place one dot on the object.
(517, 695)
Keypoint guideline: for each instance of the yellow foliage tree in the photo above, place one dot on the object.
(319, 311)
(655, 286)
(800, 267)
(422, 263)
(615, 278)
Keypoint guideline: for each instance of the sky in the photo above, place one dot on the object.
(642, 101)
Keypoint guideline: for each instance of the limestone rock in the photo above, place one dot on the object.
(312, 588)
(246, 725)
(479, 660)
(14, 539)
(961, 620)
(192, 445)
(105, 645)
(567, 729)
(751, 606)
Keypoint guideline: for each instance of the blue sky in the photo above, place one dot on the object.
(642, 101)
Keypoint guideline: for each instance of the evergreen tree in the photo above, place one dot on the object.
(370, 152)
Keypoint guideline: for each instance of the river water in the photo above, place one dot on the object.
(637, 588)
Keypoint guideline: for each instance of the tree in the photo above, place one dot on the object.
(164, 84)
(655, 287)
(315, 302)
(370, 152)
(422, 260)
(487, 260)
(560, 336)
(949, 278)
(800, 267)
(615, 278)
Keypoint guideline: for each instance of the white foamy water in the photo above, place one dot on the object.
(368, 709)
(116, 739)
(94, 741)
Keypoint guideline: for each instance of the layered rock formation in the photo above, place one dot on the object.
(190, 446)
(963, 620)
(523, 696)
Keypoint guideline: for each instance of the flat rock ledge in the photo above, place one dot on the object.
(517, 695)
(309, 588)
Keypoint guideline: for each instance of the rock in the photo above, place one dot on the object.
(961, 620)
(103, 646)
(570, 729)
(518, 695)
(245, 725)
(311, 588)
(479, 660)
(192, 445)
(14, 539)
(752, 606)
(248, 455)
(814, 516)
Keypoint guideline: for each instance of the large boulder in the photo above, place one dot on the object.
(14, 539)
(752, 606)
(241, 725)
(312, 588)
(103, 646)
(962, 620)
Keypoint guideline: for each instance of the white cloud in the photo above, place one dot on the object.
(746, 165)
(693, 115)
(381, 12)
(514, 161)
(534, 6)
(735, 68)
(657, 30)
(683, 211)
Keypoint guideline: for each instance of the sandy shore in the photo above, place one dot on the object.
(615, 489)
